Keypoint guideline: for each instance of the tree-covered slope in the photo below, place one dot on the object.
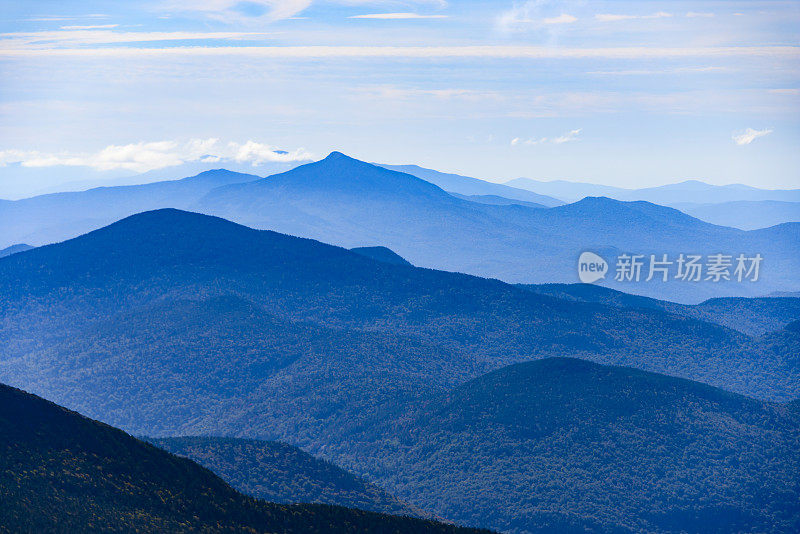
(62, 472)
(280, 473)
(573, 441)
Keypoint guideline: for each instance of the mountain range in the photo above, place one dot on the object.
(350, 203)
(688, 191)
(170, 323)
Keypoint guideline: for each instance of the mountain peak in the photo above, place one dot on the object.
(337, 155)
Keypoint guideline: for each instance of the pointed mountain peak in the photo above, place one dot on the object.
(336, 155)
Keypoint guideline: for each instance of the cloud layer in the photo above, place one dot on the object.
(148, 156)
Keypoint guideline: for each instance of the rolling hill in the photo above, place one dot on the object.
(281, 473)
(62, 472)
(568, 442)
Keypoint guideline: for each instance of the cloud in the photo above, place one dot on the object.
(568, 137)
(147, 156)
(533, 13)
(397, 16)
(749, 135)
(561, 19)
(615, 18)
(695, 14)
(571, 135)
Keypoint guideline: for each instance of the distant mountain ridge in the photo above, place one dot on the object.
(350, 203)
(465, 185)
(57, 216)
(13, 249)
(688, 191)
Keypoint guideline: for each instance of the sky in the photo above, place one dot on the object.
(624, 93)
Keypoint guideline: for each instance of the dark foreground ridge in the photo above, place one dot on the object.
(62, 472)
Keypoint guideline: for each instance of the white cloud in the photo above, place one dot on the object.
(571, 135)
(397, 16)
(568, 137)
(532, 14)
(749, 135)
(615, 18)
(561, 19)
(695, 14)
(147, 156)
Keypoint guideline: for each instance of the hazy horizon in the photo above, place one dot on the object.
(628, 94)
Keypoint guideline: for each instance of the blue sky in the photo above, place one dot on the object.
(622, 93)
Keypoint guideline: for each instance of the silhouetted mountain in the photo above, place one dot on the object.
(380, 254)
(281, 473)
(464, 185)
(13, 249)
(744, 214)
(350, 203)
(48, 218)
(753, 316)
(62, 472)
(571, 443)
(671, 194)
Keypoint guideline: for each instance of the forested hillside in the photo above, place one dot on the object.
(280, 473)
(569, 442)
(62, 472)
